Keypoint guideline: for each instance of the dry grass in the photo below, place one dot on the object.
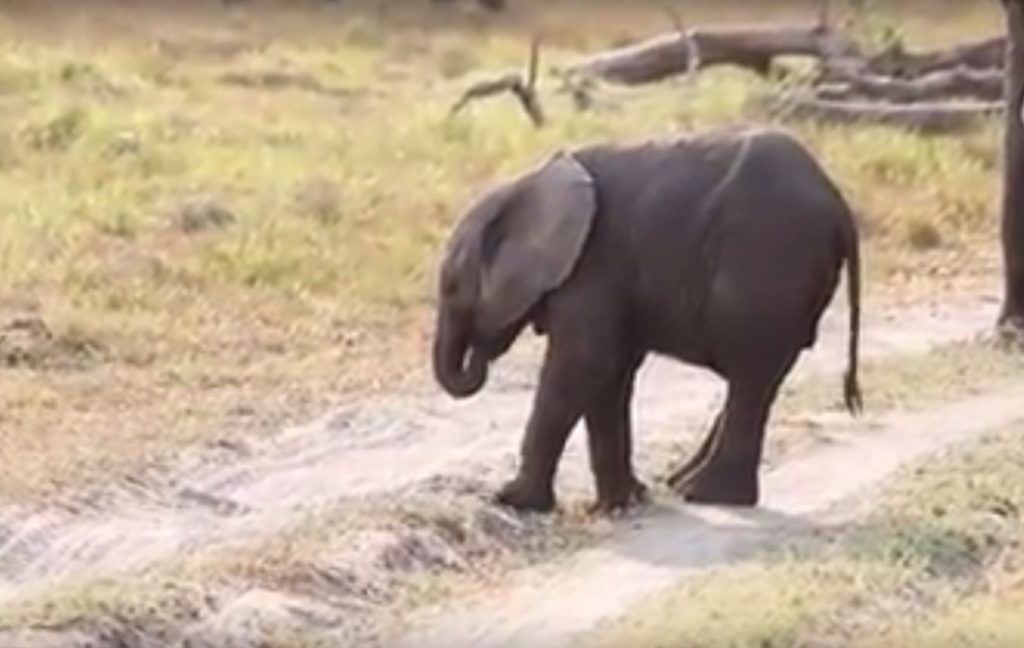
(322, 132)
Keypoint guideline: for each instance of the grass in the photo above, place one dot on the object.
(323, 135)
(941, 562)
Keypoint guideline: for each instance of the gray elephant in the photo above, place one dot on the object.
(721, 249)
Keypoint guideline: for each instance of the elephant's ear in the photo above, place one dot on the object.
(533, 243)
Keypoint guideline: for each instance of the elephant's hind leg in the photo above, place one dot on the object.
(609, 436)
(729, 476)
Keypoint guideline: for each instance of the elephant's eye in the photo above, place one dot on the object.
(449, 286)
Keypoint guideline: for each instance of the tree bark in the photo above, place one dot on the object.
(942, 117)
(1012, 314)
(981, 54)
(751, 47)
(986, 85)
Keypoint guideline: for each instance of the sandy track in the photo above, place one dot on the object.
(237, 492)
(552, 606)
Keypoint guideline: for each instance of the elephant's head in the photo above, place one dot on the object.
(514, 245)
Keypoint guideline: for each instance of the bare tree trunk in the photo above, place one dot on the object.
(1013, 183)
(748, 46)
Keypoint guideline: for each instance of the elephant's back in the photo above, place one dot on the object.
(651, 233)
(653, 189)
(750, 209)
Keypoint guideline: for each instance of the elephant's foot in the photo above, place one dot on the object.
(725, 486)
(522, 495)
(632, 493)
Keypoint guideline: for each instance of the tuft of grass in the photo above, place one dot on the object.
(57, 131)
(923, 236)
(321, 199)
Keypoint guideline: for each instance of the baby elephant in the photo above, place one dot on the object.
(721, 250)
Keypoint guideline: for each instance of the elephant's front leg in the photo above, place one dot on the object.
(574, 372)
(610, 439)
(556, 409)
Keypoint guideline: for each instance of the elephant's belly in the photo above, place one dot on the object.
(694, 354)
(676, 335)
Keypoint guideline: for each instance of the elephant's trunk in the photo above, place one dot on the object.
(458, 377)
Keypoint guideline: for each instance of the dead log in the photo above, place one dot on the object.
(984, 85)
(752, 47)
(945, 117)
(983, 54)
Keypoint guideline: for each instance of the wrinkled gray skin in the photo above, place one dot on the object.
(721, 250)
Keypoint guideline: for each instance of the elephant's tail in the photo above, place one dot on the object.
(851, 384)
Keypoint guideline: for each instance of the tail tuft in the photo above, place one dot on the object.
(852, 394)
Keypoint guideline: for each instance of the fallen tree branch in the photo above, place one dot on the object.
(524, 90)
(986, 85)
(751, 47)
(982, 54)
(945, 117)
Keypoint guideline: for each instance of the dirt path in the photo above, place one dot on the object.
(677, 540)
(232, 492)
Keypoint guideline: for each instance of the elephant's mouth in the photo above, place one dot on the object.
(498, 345)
